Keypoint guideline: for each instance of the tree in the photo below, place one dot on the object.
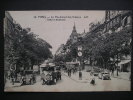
(27, 48)
(103, 46)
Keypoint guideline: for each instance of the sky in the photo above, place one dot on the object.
(56, 32)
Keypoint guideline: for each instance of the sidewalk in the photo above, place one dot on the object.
(122, 75)
(9, 84)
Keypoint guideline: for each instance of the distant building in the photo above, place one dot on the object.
(114, 21)
(8, 24)
(74, 35)
(60, 49)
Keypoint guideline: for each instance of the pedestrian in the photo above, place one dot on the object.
(9, 75)
(70, 72)
(80, 75)
(12, 77)
(73, 70)
(92, 80)
(43, 78)
(112, 74)
(23, 74)
(130, 76)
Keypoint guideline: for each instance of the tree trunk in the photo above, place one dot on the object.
(32, 67)
(90, 62)
(117, 65)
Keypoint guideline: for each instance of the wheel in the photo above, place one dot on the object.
(21, 82)
(48, 77)
(102, 78)
(60, 77)
(99, 77)
(55, 80)
(42, 82)
(31, 82)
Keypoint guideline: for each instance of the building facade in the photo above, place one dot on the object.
(60, 50)
(116, 20)
(9, 27)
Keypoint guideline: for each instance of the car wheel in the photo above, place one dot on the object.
(99, 77)
(42, 82)
(21, 82)
(31, 82)
(55, 81)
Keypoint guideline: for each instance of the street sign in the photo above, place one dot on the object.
(79, 53)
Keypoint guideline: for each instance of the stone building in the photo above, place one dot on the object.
(9, 27)
(116, 20)
(73, 37)
(11, 30)
(60, 50)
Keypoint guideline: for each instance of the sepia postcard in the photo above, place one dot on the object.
(67, 50)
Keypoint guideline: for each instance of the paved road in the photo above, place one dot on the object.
(67, 84)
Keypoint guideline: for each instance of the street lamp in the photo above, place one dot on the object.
(118, 59)
(80, 48)
(80, 55)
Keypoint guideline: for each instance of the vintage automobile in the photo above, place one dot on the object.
(58, 72)
(18, 78)
(29, 77)
(95, 71)
(105, 75)
(52, 75)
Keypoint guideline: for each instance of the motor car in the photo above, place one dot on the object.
(18, 78)
(95, 71)
(28, 77)
(52, 75)
(105, 75)
(58, 72)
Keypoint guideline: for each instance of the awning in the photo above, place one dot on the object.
(124, 62)
(71, 62)
(51, 64)
(43, 65)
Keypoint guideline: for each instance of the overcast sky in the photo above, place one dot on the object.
(56, 32)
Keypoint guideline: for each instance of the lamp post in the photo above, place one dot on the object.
(117, 68)
(80, 55)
